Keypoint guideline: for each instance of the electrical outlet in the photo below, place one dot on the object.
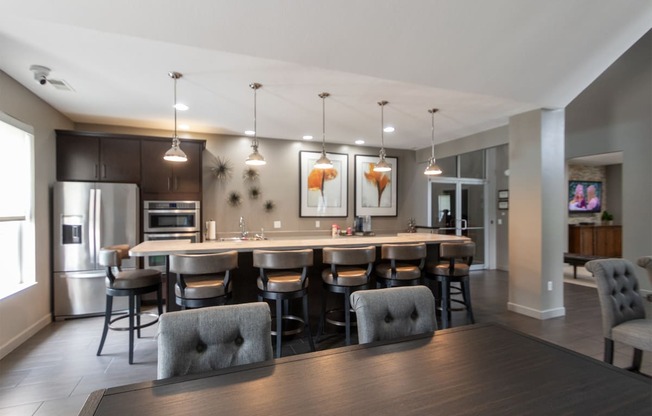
(317, 224)
(277, 224)
(549, 285)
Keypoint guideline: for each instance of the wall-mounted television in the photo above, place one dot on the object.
(584, 196)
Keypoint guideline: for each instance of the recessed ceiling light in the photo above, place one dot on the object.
(389, 129)
(181, 106)
(307, 137)
(250, 132)
(359, 141)
(184, 126)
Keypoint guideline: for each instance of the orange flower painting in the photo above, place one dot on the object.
(378, 179)
(318, 177)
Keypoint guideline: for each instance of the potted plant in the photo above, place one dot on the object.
(607, 217)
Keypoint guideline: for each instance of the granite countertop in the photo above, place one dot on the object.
(165, 247)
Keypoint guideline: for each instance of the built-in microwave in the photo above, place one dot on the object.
(171, 217)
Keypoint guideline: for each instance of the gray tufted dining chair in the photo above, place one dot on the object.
(386, 314)
(623, 313)
(200, 340)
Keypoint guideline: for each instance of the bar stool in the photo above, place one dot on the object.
(350, 270)
(283, 277)
(402, 266)
(455, 268)
(203, 279)
(131, 283)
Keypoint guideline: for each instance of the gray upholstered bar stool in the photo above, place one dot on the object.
(203, 279)
(131, 283)
(283, 277)
(350, 270)
(402, 265)
(454, 268)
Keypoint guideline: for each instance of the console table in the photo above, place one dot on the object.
(595, 240)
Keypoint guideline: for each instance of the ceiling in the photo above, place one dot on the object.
(478, 62)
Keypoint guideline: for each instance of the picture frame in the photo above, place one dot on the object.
(503, 204)
(503, 194)
(376, 193)
(323, 192)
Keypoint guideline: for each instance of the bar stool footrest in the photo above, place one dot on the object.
(136, 327)
(292, 331)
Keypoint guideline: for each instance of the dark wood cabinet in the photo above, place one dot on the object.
(91, 157)
(161, 179)
(595, 240)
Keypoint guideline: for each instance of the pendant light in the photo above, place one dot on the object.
(175, 154)
(382, 165)
(323, 162)
(255, 158)
(433, 168)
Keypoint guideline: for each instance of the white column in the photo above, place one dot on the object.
(537, 200)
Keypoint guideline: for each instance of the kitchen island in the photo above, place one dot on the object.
(244, 280)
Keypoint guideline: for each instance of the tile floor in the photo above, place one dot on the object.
(54, 371)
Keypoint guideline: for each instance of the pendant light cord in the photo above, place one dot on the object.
(255, 126)
(175, 108)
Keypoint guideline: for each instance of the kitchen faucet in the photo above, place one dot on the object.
(243, 232)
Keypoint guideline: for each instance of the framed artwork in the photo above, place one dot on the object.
(323, 192)
(503, 194)
(375, 192)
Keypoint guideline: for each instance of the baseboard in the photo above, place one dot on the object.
(535, 313)
(16, 341)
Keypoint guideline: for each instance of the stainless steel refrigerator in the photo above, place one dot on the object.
(86, 217)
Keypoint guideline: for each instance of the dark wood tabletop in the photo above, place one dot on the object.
(474, 370)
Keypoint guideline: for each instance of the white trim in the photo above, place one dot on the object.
(16, 123)
(535, 313)
(16, 341)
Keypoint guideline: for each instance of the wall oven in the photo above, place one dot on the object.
(170, 220)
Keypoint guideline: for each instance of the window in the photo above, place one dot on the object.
(17, 237)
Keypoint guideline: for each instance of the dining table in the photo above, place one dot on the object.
(482, 369)
(244, 281)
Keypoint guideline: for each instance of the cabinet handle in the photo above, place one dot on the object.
(104, 170)
(176, 183)
(97, 168)
(169, 182)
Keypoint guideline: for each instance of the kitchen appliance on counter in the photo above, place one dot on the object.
(170, 220)
(86, 217)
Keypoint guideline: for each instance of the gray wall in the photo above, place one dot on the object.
(24, 313)
(615, 195)
(615, 114)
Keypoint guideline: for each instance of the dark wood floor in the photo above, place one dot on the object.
(53, 372)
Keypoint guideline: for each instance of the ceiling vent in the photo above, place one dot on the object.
(60, 84)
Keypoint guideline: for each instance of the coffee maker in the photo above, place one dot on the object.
(363, 224)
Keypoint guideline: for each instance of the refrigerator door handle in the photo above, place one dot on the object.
(91, 225)
(98, 222)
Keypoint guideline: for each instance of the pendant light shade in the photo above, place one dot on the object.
(382, 165)
(433, 168)
(323, 162)
(255, 158)
(175, 154)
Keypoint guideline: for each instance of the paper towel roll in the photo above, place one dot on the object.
(210, 230)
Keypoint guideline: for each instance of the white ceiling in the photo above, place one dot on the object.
(480, 62)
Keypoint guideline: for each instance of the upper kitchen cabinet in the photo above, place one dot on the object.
(161, 179)
(97, 157)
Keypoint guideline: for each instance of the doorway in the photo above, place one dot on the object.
(457, 207)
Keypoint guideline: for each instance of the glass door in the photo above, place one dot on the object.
(457, 207)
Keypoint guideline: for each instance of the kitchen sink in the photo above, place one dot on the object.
(247, 238)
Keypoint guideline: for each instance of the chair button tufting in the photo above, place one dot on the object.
(201, 347)
(238, 341)
(414, 315)
(388, 319)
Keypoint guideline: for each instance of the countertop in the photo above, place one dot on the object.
(166, 247)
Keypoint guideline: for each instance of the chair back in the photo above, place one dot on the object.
(203, 263)
(403, 252)
(385, 314)
(463, 251)
(620, 300)
(200, 340)
(112, 256)
(349, 256)
(646, 263)
(287, 259)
